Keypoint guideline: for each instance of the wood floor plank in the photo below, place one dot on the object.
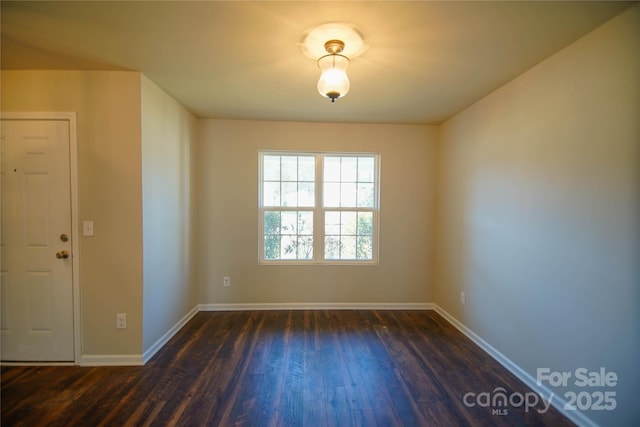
(338, 411)
(280, 368)
(290, 409)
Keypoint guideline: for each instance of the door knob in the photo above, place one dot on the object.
(64, 237)
(62, 255)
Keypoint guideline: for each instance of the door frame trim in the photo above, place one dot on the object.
(75, 229)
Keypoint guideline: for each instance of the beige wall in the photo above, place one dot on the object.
(168, 135)
(109, 184)
(535, 202)
(228, 215)
(539, 213)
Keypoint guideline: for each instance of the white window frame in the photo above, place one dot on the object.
(318, 210)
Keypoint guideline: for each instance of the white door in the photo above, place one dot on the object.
(36, 318)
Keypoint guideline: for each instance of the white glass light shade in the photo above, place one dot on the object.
(333, 82)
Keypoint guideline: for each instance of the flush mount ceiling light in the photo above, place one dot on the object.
(332, 45)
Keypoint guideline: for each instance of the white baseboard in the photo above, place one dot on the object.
(111, 360)
(317, 306)
(151, 351)
(37, 364)
(139, 360)
(557, 402)
(136, 359)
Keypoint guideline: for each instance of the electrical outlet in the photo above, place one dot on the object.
(226, 281)
(121, 320)
(463, 298)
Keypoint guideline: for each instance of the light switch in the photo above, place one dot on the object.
(87, 228)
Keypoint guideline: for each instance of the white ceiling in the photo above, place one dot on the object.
(238, 59)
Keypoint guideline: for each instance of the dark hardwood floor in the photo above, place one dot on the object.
(283, 368)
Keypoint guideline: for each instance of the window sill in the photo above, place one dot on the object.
(319, 263)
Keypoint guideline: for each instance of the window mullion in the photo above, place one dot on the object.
(318, 222)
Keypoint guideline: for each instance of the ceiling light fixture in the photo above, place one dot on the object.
(333, 82)
(333, 45)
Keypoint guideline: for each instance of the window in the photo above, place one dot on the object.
(318, 207)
